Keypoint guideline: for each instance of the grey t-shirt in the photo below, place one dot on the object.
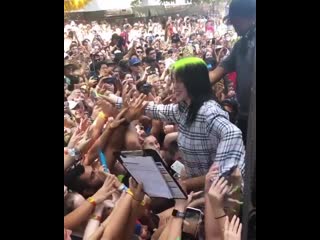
(243, 65)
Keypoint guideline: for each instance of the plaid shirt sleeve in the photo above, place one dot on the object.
(168, 113)
(230, 151)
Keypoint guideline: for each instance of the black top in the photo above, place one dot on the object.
(241, 60)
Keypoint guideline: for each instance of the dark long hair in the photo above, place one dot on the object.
(194, 74)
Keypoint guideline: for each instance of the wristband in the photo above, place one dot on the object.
(103, 116)
(176, 213)
(130, 193)
(71, 151)
(142, 203)
(92, 201)
(122, 188)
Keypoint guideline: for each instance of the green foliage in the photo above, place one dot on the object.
(135, 3)
(195, 1)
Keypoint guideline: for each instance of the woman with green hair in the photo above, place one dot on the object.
(206, 135)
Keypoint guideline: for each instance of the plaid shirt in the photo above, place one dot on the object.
(210, 138)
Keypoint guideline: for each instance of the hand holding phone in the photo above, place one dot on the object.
(145, 88)
(177, 166)
(193, 219)
(228, 173)
(109, 80)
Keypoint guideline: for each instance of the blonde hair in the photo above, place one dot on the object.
(152, 78)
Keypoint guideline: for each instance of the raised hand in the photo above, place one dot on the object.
(105, 106)
(136, 108)
(83, 145)
(232, 230)
(211, 175)
(84, 124)
(92, 82)
(217, 192)
(107, 189)
(126, 95)
(137, 189)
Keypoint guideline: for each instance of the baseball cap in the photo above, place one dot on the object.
(242, 8)
(138, 229)
(134, 61)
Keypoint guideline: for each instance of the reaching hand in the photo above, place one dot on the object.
(105, 106)
(116, 123)
(121, 114)
(126, 95)
(137, 189)
(84, 145)
(217, 192)
(101, 80)
(232, 230)
(168, 129)
(84, 124)
(92, 82)
(117, 183)
(183, 203)
(106, 190)
(76, 137)
(212, 173)
(136, 108)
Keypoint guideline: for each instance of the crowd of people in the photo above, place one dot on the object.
(171, 87)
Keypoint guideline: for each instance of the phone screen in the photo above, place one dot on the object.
(193, 218)
(193, 214)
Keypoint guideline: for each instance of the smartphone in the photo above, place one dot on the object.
(193, 218)
(177, 166)
(228, 173)
(109, 80)
(151, 70)
(146, 88)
